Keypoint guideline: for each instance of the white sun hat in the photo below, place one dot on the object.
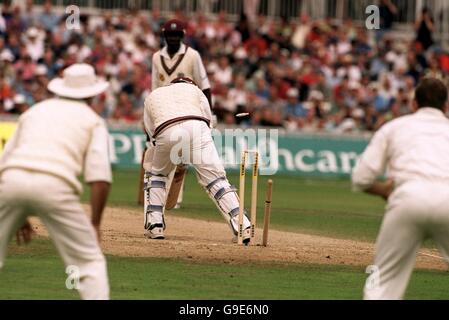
(79, 82)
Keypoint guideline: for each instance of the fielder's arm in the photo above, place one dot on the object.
(371, 166)
(98, 173)
(98, 198)
(382, 189)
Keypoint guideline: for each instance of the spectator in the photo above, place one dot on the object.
(243, 28)
(124, 111)
(424, 29)
(295, 111)
(261, 89)
(237, 96)
(315, 75)
(271, 118)
(28, 15)
(6, 94)
(25, 68)
(388, 13)
(301, 32)
(34, 44)
(48, 20)
(383, 97)
(256, 41)
(20, 105)
(223, 71)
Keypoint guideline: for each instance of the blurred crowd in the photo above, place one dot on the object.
(299, 74)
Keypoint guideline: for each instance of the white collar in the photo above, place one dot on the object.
(182, 50)
(430, 111)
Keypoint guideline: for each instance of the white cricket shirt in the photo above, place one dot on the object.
(411, 148)
(174, 101)
(63, 138)
(185, 63)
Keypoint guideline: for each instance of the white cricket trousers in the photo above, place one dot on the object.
(188, 142)
(416, 211)
(26, 193)
(148, 160)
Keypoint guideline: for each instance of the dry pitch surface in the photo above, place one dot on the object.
(206, 241)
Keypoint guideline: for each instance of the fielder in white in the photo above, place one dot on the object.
(413, 152)
(55, 141)
(173, 61)
(178, 118)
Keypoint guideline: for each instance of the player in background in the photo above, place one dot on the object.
(55, 141)
(174, 60)
(178, 118)
(413, 153)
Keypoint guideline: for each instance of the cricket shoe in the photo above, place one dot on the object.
(155, 232)
(246, 237)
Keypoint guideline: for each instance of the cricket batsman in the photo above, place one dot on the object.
(177, 117)
(174, 60)
(413, 152)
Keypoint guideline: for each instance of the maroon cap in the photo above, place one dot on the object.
(174, 26)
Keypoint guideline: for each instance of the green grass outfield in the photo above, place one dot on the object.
(38, 273)
(323, 207)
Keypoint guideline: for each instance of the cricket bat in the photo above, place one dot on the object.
(140, 193)
(175, 187)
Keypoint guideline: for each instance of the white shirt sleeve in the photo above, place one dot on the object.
(372, 164)
(199, 73)
(97, 166)
(148, 124)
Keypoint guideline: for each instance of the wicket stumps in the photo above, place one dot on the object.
(266, 218)
(253, 209)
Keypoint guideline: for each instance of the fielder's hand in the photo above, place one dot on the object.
(382, 189)
(388, 189)
(25, 233)
(98, 232)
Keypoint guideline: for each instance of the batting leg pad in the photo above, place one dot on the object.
(227, 200)
(155, 193)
